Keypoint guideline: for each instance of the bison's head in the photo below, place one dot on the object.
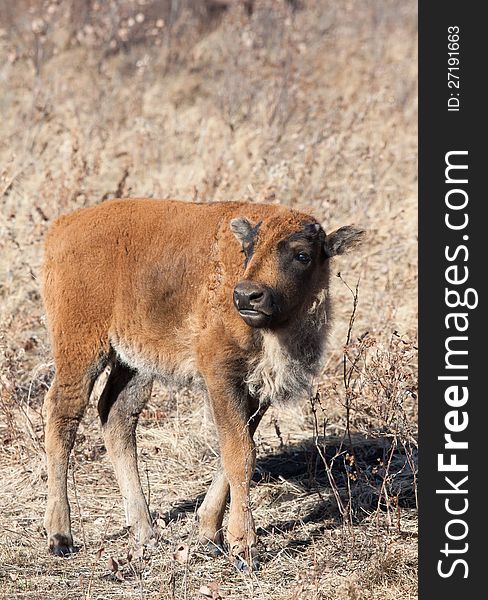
(285, 266)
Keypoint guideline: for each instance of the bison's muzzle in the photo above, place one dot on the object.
(254, 303)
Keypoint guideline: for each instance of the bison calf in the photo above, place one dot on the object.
(163, 290)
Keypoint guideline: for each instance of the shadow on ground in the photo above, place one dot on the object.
(373, 468)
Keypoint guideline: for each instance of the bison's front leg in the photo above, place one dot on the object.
(211, 511)
(238, 457)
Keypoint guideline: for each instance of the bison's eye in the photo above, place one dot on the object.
(303, 257)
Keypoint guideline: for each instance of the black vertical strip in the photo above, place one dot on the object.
(442, 131)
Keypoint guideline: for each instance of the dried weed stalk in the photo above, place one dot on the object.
(372, 468)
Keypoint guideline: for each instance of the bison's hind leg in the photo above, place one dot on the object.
(123, 398)
(64, 406)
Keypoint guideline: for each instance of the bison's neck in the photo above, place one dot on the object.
(288, 360)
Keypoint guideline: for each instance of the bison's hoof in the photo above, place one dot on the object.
(61, 545)
(246, 560)
(212, 549)
(145, 534)
(62, 550)
(242, 565)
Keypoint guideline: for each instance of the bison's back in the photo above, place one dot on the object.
(108, 264)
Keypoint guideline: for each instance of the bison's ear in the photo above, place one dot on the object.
(342, 240)
(243, 229)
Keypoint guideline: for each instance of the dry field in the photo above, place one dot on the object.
(309, 103)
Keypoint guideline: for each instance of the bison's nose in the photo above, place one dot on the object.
(251, 296)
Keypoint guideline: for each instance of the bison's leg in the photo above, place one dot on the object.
(238, 458)
(211, 512)
(64, 406)
(120, 404)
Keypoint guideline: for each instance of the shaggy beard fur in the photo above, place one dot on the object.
(285, 368)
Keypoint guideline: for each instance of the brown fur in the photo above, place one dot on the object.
(146, 287)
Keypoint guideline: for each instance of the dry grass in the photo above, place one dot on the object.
(314, 108)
